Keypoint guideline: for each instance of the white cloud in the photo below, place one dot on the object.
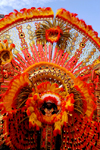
(14, 3)
(7, 5)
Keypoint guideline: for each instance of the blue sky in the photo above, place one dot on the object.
(88, 10)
